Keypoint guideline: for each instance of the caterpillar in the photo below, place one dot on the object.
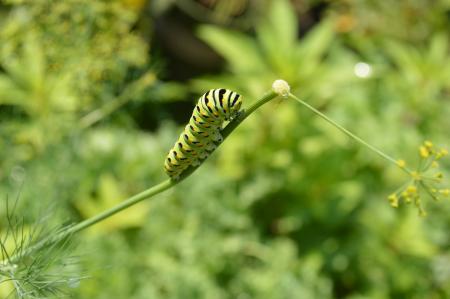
(202, 134)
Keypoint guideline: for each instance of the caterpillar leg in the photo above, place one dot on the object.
(238, 114)
(171, 172)
(196, 162)
(175, 177)
(203, 155)
(210, 146)
(218, 137)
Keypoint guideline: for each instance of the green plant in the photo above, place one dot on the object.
(275, 52)
(17, 261)
(81, 61)
(299, 213)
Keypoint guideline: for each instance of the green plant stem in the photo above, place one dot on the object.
(350, 134)
(123, 205)
(167, 184)
(100, 113)
(97, 218)
(116, 103)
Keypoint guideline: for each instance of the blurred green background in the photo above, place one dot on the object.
(93, 93)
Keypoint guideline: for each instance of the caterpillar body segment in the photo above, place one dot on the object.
(202, 134)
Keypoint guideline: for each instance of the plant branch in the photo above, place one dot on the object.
(127, 95)
(167, 184)
(350, 134)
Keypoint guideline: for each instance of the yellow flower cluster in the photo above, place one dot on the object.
(424, 180)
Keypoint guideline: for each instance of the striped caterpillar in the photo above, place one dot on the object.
(202, 133)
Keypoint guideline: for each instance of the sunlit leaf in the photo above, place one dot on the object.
(236, 47)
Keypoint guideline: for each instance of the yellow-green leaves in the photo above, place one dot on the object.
(237, 48)
(29, 84)
(277, 51)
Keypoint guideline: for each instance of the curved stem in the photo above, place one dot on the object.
(170, 183)
(167, 184)
(95, 219)
(163, 186)
(350, 134)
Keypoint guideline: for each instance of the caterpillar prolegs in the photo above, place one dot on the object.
(202, 133)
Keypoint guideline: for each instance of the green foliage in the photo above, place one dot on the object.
(55, 67)
(47, 273)
(316, 187)
(287, 207)
(25, 84)
(276, 53)
(88, 40)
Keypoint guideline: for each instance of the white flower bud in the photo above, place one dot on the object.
(281, 87)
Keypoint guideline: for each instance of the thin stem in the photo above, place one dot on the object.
(126, 96)
(167, 184)
(350, 134)
(122, 206)
(95, 219)
(100, 113)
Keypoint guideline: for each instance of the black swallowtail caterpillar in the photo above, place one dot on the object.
(202, 134)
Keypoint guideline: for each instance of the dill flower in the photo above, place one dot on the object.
(425, 180)
(401, 163)
(424, 152)
(393, 199)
